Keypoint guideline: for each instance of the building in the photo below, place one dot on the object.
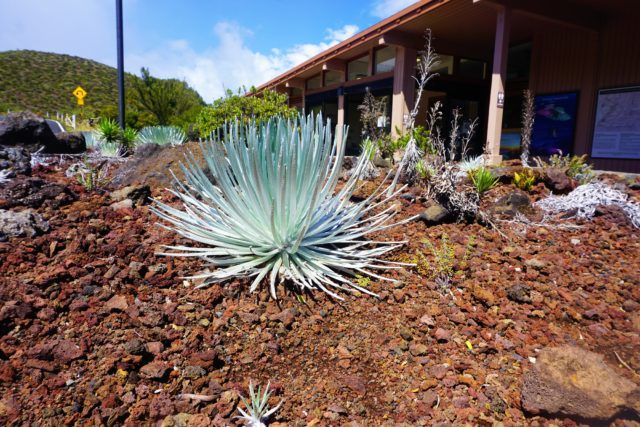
(580, 57)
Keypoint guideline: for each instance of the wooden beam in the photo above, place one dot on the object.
(334, 64)
(441, 46)
(297, 83)
(498, 77)
(557, 12)
(402, 39)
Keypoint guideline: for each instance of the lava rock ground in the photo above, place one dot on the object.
(95, 329)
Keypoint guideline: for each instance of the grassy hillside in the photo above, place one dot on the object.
(43, 82)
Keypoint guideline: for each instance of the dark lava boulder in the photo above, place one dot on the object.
(512, 203)
(35, 192)
(31, 131)
(557, 180)
(435, 214)
(70, 143)
(26, 128)
(18, 159)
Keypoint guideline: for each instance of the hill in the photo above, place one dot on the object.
(43, 82)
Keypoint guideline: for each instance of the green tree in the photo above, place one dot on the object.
(238, 106)
(171, 101)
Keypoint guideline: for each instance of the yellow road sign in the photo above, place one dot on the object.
(80, 93)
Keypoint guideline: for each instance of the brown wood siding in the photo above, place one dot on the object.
(566, 60)
(618, 65)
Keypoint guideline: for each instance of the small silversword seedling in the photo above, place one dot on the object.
(272, 211)
(257, 407)
(4, 176)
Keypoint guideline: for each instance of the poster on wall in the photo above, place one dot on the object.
(616, 132)
(510, 144)
(554, 124)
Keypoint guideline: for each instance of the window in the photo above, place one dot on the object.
(445, 67)
(295, 92)
(314, 82)
(332, 77)
(472, 68)
(385, 60)
(358, 68)
(519, 62)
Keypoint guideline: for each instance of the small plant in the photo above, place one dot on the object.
(128, 137)
(111, 149)
(108, 131)
(89, 176)
(425, 171)
(161, 135)
(579, 169)
(5, 175)
(38, 158)
(369, 151)
(445, 265)
(469, 165)
(363, 281)
(525, 179)
(575, 166)
(91, 139)
(422, 139)
(257, 407)
(387, 146)
(483, 179)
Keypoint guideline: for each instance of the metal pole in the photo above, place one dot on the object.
(120, 63)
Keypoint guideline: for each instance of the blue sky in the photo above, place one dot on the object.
(212, 44)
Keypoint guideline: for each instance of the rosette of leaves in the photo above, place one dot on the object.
(257, 410)
(273, 213)
(483, 179)
(108, 131)
(162, 135)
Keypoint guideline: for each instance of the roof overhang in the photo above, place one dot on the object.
(370, 35)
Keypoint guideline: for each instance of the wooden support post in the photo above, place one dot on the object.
(404, 88)
(498, 77)
(304, 101)
(340, 122)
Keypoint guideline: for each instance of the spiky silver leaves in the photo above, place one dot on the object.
(273, 213)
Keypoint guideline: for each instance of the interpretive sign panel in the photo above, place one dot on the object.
(616, 133)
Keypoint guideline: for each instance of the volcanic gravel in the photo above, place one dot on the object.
(95, 329)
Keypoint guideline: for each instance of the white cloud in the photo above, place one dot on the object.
(385, 8)
(228, 63)
(86, 28)
(76, 27)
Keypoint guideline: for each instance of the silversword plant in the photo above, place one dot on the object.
(257, 407)
(161, 135)
(273, 213)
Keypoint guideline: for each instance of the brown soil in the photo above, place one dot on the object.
(95, 329)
